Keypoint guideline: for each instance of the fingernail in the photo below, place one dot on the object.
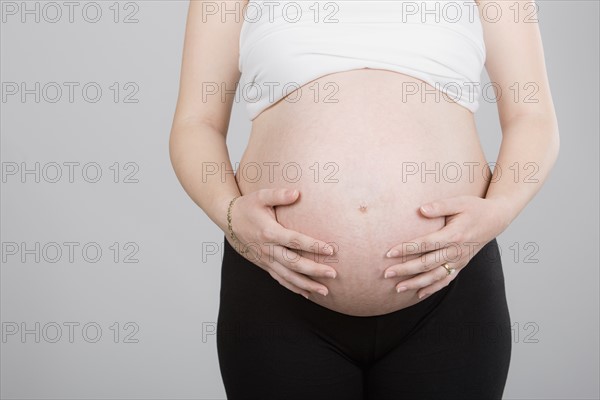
(321, 291)
(329, 250)
(401, 289)
(330, 274)
(305, 296)
(393, 253)
(389, 274)
(423, 295)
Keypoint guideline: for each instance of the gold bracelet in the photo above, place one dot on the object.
(230, 228)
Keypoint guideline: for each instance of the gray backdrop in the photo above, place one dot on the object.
(110, 273)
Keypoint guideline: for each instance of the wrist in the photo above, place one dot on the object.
(221, 211)
(503, 210)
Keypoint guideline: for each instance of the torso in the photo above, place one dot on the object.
(357, 188)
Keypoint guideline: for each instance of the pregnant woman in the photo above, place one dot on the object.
(360, 255)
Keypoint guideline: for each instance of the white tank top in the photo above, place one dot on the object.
(286, 44)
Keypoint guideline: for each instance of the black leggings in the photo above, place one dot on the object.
(275, 344)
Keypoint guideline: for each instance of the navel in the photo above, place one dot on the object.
(362, 207)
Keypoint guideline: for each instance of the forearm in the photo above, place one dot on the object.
(529, 149)
(201, 162)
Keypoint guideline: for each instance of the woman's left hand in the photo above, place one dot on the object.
(471, 222)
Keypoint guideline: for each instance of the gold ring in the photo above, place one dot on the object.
(449, 270)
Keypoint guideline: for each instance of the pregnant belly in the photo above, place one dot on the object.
(363, 165)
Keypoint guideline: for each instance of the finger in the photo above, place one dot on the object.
(426, 262)
(422, 280)
(443, 238)
(276, 197)
(288, 285)
(298, 280)
(300, 241)
(443, 207)
(436, 286)
(292, 260)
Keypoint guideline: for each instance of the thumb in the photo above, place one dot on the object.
(442, 207)
(275, 197)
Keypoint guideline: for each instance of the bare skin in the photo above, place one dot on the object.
(363, 206)
(357, 189)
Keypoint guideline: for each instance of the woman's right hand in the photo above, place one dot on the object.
(266, 243)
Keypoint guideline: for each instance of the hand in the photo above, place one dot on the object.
(255, 225)
(471, 222)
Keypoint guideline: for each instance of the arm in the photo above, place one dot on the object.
(199, 129)
(515, 58)
(198, 138)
